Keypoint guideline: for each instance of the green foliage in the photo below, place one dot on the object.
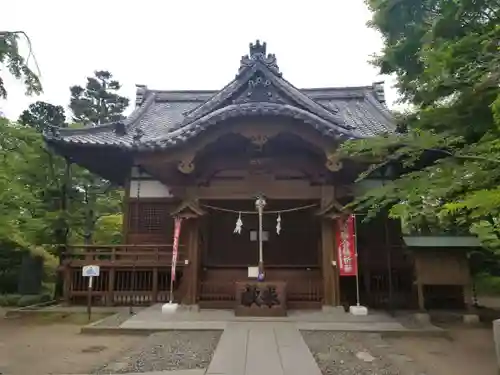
(40, 115)
(33, 299)
(43, 203)
(487, 285)
(12, 61)
(17, 300)
(109, 230)
(98, 103)
(445, 55)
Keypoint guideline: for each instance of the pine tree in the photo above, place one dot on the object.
(99, 102)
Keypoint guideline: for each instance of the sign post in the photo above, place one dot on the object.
(90, 272)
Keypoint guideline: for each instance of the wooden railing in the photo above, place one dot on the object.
(123, 286)
(305, 291)
(217, 291)
(130, 274)
(125, 255)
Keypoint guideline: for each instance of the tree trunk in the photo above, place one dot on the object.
(62, 232)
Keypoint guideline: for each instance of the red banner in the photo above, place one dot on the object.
(346, 246)
(175, 247)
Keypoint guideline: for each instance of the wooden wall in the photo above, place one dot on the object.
(296, 245)
(148, 220)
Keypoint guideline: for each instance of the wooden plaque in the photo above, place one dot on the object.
(260, 298)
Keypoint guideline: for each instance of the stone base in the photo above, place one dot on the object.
(358, 310)
(332, 309)
(190, 308)
(422, 318)
(259, 311)
(169, 308)
(471, 319)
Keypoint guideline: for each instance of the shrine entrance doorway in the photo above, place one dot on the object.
(292, 256)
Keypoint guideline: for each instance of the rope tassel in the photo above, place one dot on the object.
(278, 224)
(239, 224)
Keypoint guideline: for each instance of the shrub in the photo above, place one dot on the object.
(487, 284)
(32, 299)
(9, 300)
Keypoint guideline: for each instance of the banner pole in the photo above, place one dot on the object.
(177, 232)
(357, 260)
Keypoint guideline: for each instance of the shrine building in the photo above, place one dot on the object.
(207, 157)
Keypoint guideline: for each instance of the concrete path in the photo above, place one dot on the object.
(255, 348)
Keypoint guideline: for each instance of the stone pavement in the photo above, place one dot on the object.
(152, 319)
(260, 348)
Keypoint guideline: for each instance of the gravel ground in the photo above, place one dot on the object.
(172, 350)
(32, 346)
(342, 353)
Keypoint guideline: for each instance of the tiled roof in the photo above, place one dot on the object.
(167, 118)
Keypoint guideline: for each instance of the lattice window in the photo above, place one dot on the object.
(149, 218)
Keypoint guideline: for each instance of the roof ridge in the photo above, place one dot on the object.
(140, 111)
(232, 82)
(384, 111)
(243, 77)
(315, 93)
(299, 94)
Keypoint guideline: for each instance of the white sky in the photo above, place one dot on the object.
(189, 44)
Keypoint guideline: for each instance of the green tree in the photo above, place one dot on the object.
(99, 102)
(109, 229)
(445, 55)
(23, 216)
(12, 61)
(42, 116)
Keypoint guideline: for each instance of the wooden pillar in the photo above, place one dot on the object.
(67, 284)
(418, 282)
(126, 212)
(193, 257)
(330, 277)
(111, 287)
(155, 284)
(470, 300)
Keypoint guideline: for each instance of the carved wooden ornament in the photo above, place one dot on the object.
(333, 163)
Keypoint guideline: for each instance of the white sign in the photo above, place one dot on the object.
(90, 271)
(254, 235)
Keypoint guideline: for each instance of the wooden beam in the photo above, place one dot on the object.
(254, 131)
(247, 189)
